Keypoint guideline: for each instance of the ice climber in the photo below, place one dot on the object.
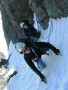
(32, 52)
(29, 30)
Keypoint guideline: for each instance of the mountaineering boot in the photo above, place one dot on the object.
(57, 52)
(43, 79)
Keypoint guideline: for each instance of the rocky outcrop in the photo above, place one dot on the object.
(14, 11)
(3, 80)
(2, 56)
(5, 73)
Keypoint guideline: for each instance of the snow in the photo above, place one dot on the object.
(9, 73)
(56, 71)
(3, 45)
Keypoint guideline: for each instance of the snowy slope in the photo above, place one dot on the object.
(56, 71)
(3, 45)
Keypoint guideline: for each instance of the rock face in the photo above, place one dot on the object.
(3, 80)
(14, 11)
(2, 56)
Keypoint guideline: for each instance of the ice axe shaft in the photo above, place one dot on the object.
(60, 54)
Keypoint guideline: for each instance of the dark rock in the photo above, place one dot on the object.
(59, 8)
(2, 56)
(3, 62)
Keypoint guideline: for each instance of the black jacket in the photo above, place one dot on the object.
(30, 31)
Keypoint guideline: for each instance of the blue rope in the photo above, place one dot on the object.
(51, 28)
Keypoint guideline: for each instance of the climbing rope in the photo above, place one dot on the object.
(51, 27)
(52, 15)
(51, 30)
